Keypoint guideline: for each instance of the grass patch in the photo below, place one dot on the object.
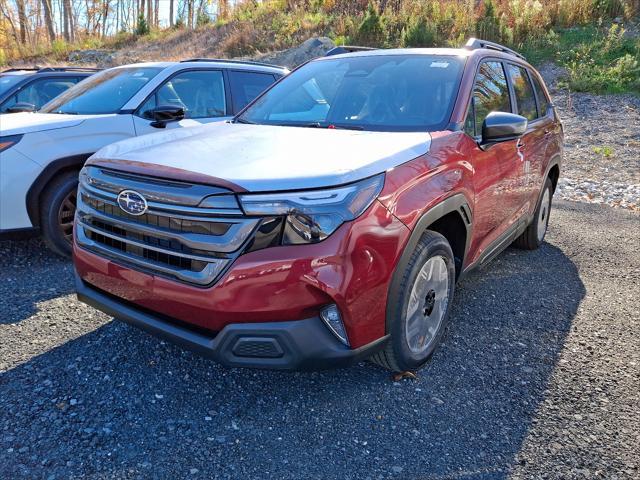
(597, 59)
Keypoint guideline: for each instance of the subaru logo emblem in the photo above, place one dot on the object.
(132, 202)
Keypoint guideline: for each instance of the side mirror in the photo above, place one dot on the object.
(21, 107)
(164, 114)
(502, 127)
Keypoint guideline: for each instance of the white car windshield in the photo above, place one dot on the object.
(394, 92)
(7, 82)
(104, 92)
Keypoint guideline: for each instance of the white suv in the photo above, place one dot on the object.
(42, 153)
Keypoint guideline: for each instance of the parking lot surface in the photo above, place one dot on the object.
(538, 376)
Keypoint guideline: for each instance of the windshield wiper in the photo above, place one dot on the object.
(242, 120)
(331, 126)
(346, 127)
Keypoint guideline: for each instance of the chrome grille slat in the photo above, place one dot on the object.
(146, 245)
(203, 277)
(174, 237)
(232, 240)
(155, 207)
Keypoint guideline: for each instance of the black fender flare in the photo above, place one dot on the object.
(555, 161)
(50, 171)
(455, 203)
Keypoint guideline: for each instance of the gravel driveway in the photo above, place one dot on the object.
(539, 376)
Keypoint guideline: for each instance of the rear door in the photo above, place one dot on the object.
(202, 93)
(497, 169)
(532, 146)
(547, 131)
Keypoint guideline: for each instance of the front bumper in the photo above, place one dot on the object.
(288, 345)
(351, 268)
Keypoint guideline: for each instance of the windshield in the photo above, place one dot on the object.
(378, 92)
(8, 81)
(104, 92)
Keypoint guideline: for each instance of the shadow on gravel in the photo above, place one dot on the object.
(30, 273)
(118, 403)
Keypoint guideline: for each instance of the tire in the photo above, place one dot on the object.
(57, 209)
(534, 235)
(414, 337)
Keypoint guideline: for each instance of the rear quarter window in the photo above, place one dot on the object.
(543, 100)
(245, 86)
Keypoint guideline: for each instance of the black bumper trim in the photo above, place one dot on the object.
(18, 233)
(305, 344)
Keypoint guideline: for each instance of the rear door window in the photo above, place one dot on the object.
(490, 94)
(201, 93)
(245, 86)
(525, 98)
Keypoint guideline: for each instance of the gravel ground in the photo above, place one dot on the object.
(539, 376)
(602, 145)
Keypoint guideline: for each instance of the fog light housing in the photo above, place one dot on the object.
(330, 315)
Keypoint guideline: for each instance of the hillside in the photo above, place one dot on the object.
(596, 41)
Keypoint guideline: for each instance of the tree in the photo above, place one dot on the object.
(189, 13)
(69, 21)
(48, 19)
(22, 21)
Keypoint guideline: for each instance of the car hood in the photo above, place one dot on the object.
(20, 123)
(266, 158)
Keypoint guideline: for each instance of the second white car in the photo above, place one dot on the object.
(42, 153)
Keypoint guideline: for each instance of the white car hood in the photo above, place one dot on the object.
(20, 123)
(269, 158)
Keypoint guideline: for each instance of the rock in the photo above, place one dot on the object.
(292, 57)
(101, 58)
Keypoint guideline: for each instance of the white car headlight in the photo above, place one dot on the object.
(313, 215)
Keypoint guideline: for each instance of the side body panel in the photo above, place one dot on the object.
(43, 148)
(412, 189)
(17, 172)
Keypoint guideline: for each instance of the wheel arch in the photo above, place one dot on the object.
(450, 217)
(61, 165)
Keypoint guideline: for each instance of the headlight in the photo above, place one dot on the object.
(313, 215)
(9, 141)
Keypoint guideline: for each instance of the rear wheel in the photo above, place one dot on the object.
(534, 235)
(57, 210)
(421, 306)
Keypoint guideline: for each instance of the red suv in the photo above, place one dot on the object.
(330, 220)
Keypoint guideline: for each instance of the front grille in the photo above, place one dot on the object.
(174, 237)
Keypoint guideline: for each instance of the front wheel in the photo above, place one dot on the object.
(57, 209)
(420, 307)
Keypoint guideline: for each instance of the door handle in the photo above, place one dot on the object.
(520, 144)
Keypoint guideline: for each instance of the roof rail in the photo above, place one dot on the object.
(69, 69)
(475, 43)
(20, 69)
(346, 49)
(226, 60)
(52, 69)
